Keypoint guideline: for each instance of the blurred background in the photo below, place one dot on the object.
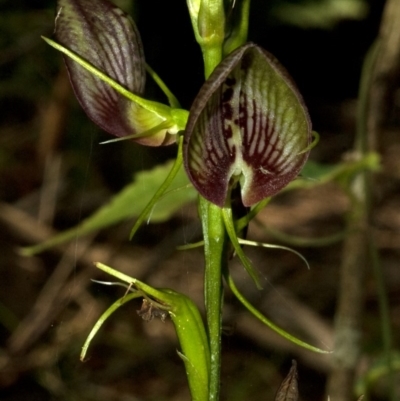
(54, 173)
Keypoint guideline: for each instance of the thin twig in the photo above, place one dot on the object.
(375, 89)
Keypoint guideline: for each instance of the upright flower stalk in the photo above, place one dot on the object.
(208, 22)
(248, 126)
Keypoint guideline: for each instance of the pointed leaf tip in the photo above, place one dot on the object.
(248, 124)
(288, 390)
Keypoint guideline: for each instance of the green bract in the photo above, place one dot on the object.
(188, 325)
(247, 125)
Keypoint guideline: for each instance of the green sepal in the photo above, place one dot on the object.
(189, 329)
(104, 317)
(161, 190)
(274, 246)
(230, 229)
(255, 312)
(172, 100)
(237, 25)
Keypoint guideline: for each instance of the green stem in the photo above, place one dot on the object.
(239, 22)
(211, 33)
(215, 253)
(210, 56)
(208, 20)
(365, 143)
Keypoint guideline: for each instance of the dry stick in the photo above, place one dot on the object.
(53, 118)
(384, 76)
(350, 300)
(45, 355)
(52, 126)
(385, 73)
(348, 317)
(375, 87)
(61, 287)
(49, 189)
(49, 301)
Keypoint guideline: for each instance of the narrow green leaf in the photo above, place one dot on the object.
(274, 246)
(177, 166)
(101, 320)
(230, 229)
(128, 204)
(255, 312)
(237, 25)
(172, 100)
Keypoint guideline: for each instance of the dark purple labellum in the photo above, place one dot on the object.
(288, 391)
(248, 124)
(106, 37)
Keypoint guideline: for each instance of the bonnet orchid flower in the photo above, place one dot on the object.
(101, 38)
(248, 125)
(247, 135)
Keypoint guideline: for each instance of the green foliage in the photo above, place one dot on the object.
(128, 204)
(322, 14)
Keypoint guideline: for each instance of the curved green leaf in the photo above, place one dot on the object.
(266, 321)
(128, 204)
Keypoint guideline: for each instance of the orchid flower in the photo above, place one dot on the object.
(104, 40)
(247, 135)
(247, 126)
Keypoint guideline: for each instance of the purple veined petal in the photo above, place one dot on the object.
(288, 390)
(106, 37)
(248, 124)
